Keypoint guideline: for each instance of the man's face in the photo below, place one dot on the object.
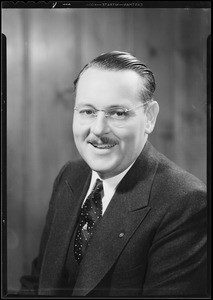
(106, 147)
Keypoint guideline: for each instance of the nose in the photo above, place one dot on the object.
(100, 125)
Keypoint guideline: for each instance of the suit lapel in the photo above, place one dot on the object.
(125, 213)
(63, 226)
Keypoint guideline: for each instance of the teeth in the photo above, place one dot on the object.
(103, 146)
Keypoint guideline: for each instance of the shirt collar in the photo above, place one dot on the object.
(109, 183)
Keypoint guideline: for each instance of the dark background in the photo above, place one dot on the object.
(46, 48)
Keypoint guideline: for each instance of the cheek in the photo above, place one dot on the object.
(131, 144)
(127, 145)
(79, 132)
(131, 136)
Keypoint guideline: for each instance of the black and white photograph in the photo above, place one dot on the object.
(106, 149)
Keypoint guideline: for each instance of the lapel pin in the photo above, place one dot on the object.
(121, 234)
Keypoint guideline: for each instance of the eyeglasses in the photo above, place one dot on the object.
(116, 116)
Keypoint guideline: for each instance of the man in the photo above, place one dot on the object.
(143, 230)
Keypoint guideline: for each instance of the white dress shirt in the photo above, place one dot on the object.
(109, 186)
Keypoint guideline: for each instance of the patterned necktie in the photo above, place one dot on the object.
(90, 213)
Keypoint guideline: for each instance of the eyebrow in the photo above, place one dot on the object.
(108, 107)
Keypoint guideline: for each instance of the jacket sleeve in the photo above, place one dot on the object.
(177, 263)
(29, 283)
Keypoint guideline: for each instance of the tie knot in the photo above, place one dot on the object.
(98, 185)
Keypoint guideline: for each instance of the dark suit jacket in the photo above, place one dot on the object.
(160, 210)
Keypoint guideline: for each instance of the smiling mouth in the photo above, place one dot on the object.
(103, 146)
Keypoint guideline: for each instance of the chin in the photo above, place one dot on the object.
(101, 168)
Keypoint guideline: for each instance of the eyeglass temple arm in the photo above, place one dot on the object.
(126, 110)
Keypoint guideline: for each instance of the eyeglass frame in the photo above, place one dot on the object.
(107, 114)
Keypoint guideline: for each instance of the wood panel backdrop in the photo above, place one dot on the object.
(45, 51)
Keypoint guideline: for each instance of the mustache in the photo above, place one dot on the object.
(102, 140)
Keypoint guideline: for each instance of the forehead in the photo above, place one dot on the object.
(109, 86)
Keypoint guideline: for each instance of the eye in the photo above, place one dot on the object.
(87, 112)
(118, 113)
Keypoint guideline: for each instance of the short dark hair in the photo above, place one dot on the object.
(117, 61)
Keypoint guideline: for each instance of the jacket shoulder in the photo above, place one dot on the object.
(175, 176)
(71, 170)
(176, 188)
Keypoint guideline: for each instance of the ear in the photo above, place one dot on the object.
(151, 116)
